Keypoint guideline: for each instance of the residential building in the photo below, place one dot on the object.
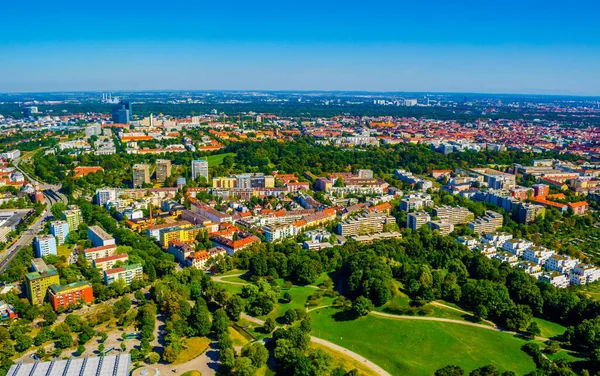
(365, 224)
(497, 239)
(579, 208)
(108, 262)
(73, 217)
(540, 190)
(365, 174)
(583, 274)
(530, 267)
(275, 232)
(528, 212)
(455, 215)
(199, 168)
(91, 254)
(560, 263)
(415, 202)
(490, 222)
(44, 245)
(537, 254)
(163, 169)
(444, 228)
(516, 246)
(128, 273)
(416, 220)
(468, 241)
(38, 265)
(104, 195)
(507, 257)
(184, 234)
(37, 283)
(210, 213)
(487, 250)
(71, 294)
(60, 230)
(99, 237)
(141, 175)
(7, 312)
(556, 279)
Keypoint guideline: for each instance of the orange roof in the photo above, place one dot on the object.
(82, 171)
(578, 204)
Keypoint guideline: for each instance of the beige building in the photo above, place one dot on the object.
(163, 169)
(141, 175)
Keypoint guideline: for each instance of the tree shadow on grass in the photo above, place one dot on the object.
(345, 315)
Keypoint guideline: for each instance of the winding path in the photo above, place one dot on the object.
(374, 367)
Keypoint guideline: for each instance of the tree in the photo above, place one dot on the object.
(23, 342)
(362, 306)
(450, 371)
(48, 314)
(269, 325)
(220, 321)
(199, 318)
(257, 353)
(243, 367)
(80, 350)
(287, 297)
(290, 316)
(488, 370)
(153, 358)
(533, 330)
(169, 354)
(320, 361)
(234, 307)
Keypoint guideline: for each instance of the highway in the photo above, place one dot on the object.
(51, 196)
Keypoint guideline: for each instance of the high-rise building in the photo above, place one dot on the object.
(37, 283)
(44, 245)
(199, 168)
(163, 169)
(71, 294)
(72, 217)
(121, 112)
(141, 175)
(105, 195)
(416, 220)
(60, 230)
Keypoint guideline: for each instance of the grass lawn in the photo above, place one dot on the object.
(235, 278)
(592, 290)
(65, 250)
(191, 373)
(344, 361)
(548, 328)
(195, 347)
(217, 159)
(238, 337)
(411, 347)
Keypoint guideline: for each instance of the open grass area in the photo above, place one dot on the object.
(592, 290)
(411, 347)
(235, 278)
(548, 328)
(344, 361)
(65, 250)
(194, 348)
(217, 159)
(238, 338)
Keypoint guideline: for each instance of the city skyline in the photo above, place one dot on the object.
(536, 48)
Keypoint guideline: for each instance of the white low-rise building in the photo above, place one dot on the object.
(468, 241)
(516, 246)
(537, 254)
(530, 267)
(583, 274)
(560, 263)
(507, 257)
(556, 279)
(497, 239)
(487, 250)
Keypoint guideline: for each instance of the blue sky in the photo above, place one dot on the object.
(547, 47)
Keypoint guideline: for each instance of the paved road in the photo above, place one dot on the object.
(51, 196)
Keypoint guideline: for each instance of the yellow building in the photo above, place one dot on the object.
(224, 182)
(184, 234)
(37, 284)
(269, 181)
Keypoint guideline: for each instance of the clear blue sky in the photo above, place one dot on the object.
(526, 46)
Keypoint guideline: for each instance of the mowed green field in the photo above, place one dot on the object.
(412, 347)
(217, 159)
